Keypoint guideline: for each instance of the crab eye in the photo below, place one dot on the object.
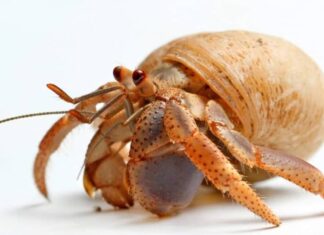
(138, 76)
(117, 73)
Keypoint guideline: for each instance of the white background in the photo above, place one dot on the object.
(76, 44)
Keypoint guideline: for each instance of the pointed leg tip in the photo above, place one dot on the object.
(276, 222)
(271, 218)
(45, 195)
(41, 186)
(241, 192)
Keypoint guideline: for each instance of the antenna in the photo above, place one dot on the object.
(32, 115)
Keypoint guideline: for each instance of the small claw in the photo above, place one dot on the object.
(117, 197)
(105, 166)
(109, 176)
(62, 94)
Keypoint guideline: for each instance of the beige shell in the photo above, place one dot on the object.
(274, 88)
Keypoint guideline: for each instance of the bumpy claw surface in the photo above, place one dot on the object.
(181, 128)
(162, 179)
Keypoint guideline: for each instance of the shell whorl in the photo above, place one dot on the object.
(274, 88)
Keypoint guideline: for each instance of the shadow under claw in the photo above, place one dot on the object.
(68, 210)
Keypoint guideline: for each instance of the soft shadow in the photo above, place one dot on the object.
(31, 206)
(65, 201)
(209, 196)
(274, 193)
(66, 211)
(302, 217)
(72, 206)
(254, 229)
(149, 219)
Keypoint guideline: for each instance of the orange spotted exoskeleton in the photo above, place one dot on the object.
(199, 106)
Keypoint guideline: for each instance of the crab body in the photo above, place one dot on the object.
(204, 104)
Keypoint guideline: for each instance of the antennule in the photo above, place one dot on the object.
(64, 96)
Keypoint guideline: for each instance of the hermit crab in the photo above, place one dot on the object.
(198, 108)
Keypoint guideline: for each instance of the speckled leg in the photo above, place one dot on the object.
(181, 128)
(55, 135)
(278, 163)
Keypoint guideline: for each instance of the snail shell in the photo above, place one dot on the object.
(273, 89)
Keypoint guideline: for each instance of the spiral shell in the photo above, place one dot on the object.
(274, 89)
